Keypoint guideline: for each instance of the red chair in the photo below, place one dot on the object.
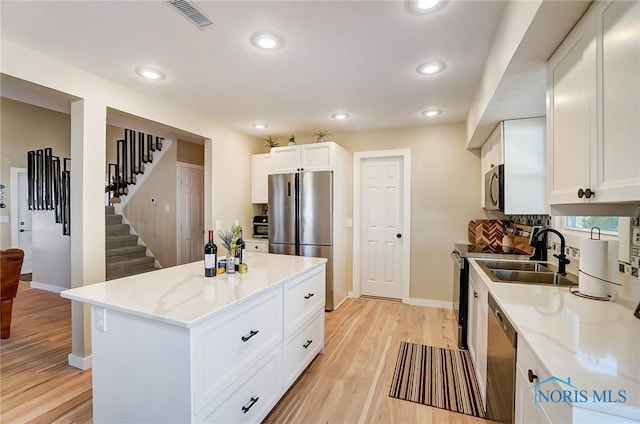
(10, 268)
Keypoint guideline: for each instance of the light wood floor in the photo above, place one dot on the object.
(348, 384)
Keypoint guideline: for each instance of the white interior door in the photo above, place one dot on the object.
(381, 217)
(21, 217)
(190, 213)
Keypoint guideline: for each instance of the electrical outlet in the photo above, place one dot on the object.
(100, 319)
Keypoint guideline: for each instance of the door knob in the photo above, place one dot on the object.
(398, 235)
(21, 222)
(22, 230)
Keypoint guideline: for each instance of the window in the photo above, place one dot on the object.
(607, 224)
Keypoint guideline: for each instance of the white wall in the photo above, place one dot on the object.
(95, 95)
(445, 192)
(51, 252)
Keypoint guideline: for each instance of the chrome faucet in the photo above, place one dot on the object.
(562, 258)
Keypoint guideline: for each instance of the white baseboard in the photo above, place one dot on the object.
(79, 362)
(419, 302)
(430, 303)
(338, 305)
(47, 287)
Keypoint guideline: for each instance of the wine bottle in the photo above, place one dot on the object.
(210, 257)
(240, 246)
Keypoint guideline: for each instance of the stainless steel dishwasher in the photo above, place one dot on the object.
(501, 365)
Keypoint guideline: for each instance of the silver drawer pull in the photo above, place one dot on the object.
(308, 296)
(307, 344)
(252, 402)
(248, 336)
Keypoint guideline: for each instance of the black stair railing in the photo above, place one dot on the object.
(132, 153)
(48, 186)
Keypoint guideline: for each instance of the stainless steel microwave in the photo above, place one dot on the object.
(494, 189)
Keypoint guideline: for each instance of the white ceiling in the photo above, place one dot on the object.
(353, 56)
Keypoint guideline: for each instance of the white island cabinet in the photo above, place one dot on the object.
(174, 346)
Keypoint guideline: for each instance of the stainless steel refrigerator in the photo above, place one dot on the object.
(301, 218)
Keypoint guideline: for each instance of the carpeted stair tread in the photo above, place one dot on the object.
(111, 219)
(131, 263)
(117, 230)
(127, 250)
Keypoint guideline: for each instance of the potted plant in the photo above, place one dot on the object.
(321, 136)
(271, 142)
(292, 140)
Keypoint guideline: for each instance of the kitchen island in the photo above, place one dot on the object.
(175, 346)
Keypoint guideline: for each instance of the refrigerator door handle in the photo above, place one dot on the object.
(289, 188)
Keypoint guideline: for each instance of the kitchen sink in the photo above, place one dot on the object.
(526, 273)
(532, 277)
(518, 266)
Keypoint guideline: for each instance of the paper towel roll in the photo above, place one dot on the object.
(594, 265)
(612, 269)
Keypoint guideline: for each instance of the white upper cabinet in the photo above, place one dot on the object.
(519, 145)
(260, 167)
(306, 157)
(618, 153)
(593, 105)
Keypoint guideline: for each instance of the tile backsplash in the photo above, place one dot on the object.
(531, 220)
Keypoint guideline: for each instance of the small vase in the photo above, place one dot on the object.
(231, 268)
(320, 140)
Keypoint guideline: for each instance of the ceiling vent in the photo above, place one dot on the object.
(191, 12)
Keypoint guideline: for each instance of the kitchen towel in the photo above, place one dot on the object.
(598, 268)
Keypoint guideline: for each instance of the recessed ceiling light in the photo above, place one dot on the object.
(259, 126)
(430, 113)
(341, 116)
(424, 6)
(267, 41)
(430, 68)
(150, 73)
(427, 4)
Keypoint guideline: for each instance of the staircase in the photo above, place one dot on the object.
(123, 253)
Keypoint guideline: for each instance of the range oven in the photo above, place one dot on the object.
(460, 295)
(460, 255)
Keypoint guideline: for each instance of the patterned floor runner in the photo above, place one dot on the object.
(438, 377)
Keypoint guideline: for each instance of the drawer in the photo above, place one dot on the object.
(302, 299)
(249, 401)
(227, 347)
(557, 412)
(256, 246)
(300, 349)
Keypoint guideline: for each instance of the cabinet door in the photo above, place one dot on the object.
(316, 157)
(285, 160)
(570, 96)
(616, 176)
(472, 320)
(481, 348)
(527, 411)
(260, 167)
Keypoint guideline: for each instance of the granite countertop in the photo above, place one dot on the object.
(595, 343)
(183, 296)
